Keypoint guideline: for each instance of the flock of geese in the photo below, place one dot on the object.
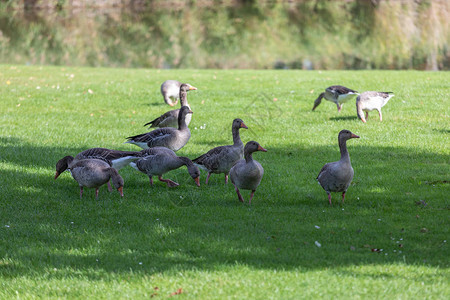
(95, 167)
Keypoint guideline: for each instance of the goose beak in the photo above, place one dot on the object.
(190, 112)
(192, 88)
(57, 174)
(262, 149)
(354, 136)
(197, 181)
(243, 125)
(120, 190)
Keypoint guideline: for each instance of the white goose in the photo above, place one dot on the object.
(170, 89)
(369, 101)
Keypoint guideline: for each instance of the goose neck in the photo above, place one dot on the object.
(182, 121)
(344, 152)
(248, 157)
(183, 98)
(184, 161)
(236, 137)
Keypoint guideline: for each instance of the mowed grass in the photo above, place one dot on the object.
(158, 240)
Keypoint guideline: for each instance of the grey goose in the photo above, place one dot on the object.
(114, 158)
(247, 173)
(93, 173)
(337, 94)
(337, 176)
(170, 118)
(160, 160)
(169, 137)
(221, 159)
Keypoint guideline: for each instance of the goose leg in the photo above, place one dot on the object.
(173, 101)
(109, 187)
(367, 115)
(226, 178)
(96, 193)
(207, 177)
(360, 113)
(339, 107)
(329, 198)
(363, 119)
(81, 192)
(251, 197)
(168, 100)
(151, 180)
(343, 196)
(379, 113)
(239, 194)
(169, 182)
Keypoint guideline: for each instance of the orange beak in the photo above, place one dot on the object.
(354, 136)
(57, 174)
(243, 125)
(261, 149)
(192, 88)
(120, 190)
(197, 181)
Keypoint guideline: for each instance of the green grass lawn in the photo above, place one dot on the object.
(157, 240)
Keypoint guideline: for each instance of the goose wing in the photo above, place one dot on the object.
(167, 119)
(340, 90)
(213, 157)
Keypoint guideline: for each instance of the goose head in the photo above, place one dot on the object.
(318, 101)
(117, 181)
(238, 123)
(346, 135)
(192, 169)
(253, 146)
(63, 164)
(194, 173)
(187, 87)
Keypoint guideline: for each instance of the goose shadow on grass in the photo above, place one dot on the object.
(213, 144)
(444, 131)
(344, 118)
(153, 230)
(162, 103)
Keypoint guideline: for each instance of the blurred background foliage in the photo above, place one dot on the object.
(313, 34)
